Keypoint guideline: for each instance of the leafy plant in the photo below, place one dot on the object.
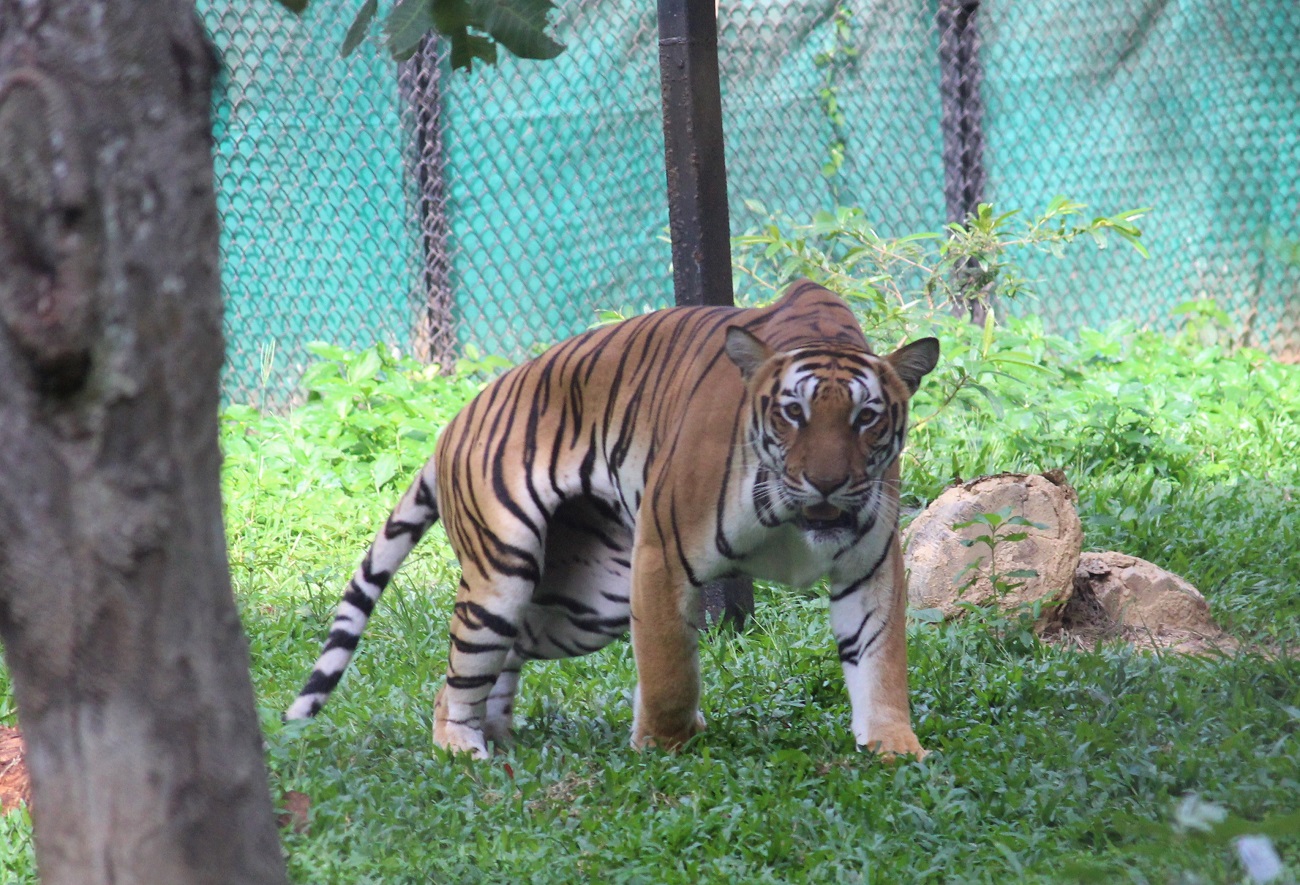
(890, 277)
(474, 28)
(831, 62)
(1000, 528)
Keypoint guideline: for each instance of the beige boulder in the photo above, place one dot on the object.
(939, 564)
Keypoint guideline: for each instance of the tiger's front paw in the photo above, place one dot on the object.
(890, 742)
(665, 736)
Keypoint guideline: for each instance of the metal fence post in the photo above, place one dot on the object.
(962, 123)
(420, 85)
(697, 196)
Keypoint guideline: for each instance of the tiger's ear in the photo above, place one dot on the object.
(914, 361)
(746, 350)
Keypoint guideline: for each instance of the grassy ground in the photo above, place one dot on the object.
(1051, 765)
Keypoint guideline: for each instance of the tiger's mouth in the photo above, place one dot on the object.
(823, 517)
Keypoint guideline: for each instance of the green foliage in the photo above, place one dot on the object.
(1052, 765)
(889, 278)
(996, 527)
(473, 27)
(1000, 528)
(841, 54)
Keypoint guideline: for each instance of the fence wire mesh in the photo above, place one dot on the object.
(442, 213)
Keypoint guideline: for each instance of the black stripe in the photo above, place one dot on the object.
(616, 626)
(424, 498)
(321, 682)
(529, 569)
(477, 617)
(588, 465)
(474, 648)
(465, 682)
(374, 578)
(395, 527)
(720, 534)
(341, 639)
(875, 567)
(596, 531)
(849, 590)
(359, 598)
(867, 645)
(844, 645)
(681, 550)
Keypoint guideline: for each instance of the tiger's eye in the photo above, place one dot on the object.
(866, 418)
(794, 413)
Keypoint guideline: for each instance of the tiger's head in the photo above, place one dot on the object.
(826, 423)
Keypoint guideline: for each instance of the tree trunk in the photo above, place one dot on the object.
(120, 632)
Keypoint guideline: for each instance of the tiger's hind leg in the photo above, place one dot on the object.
(580, 606)
(484, 628)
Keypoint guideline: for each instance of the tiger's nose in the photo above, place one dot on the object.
(824, 485)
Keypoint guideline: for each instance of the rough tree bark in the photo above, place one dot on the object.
(119, 629)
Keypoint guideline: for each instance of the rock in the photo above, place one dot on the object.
(1117, 596)
(939, 564)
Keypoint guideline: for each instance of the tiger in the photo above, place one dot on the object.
(595, 489)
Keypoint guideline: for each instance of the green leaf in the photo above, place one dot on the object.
(452, 16)
(465, 47)
(367, 366)
(383, 469)
(406, 26)
(359, 28)
(327, 351)
(518, 25)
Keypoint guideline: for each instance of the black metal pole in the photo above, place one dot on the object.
(697, 197)
(962, 123)
(696, 167)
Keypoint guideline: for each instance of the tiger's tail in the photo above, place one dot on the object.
(414, 514)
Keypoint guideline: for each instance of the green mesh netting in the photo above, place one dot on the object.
(365, 201)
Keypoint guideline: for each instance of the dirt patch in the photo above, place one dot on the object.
(15, 786)
(295, 812)
(1122, 598)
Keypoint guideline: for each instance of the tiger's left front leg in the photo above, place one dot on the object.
(666, 645)
(869, 621)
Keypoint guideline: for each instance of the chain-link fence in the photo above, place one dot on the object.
(364, 201)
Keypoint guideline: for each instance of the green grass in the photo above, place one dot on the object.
(1050, 765)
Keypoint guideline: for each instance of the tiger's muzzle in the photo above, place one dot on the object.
(823, 517)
